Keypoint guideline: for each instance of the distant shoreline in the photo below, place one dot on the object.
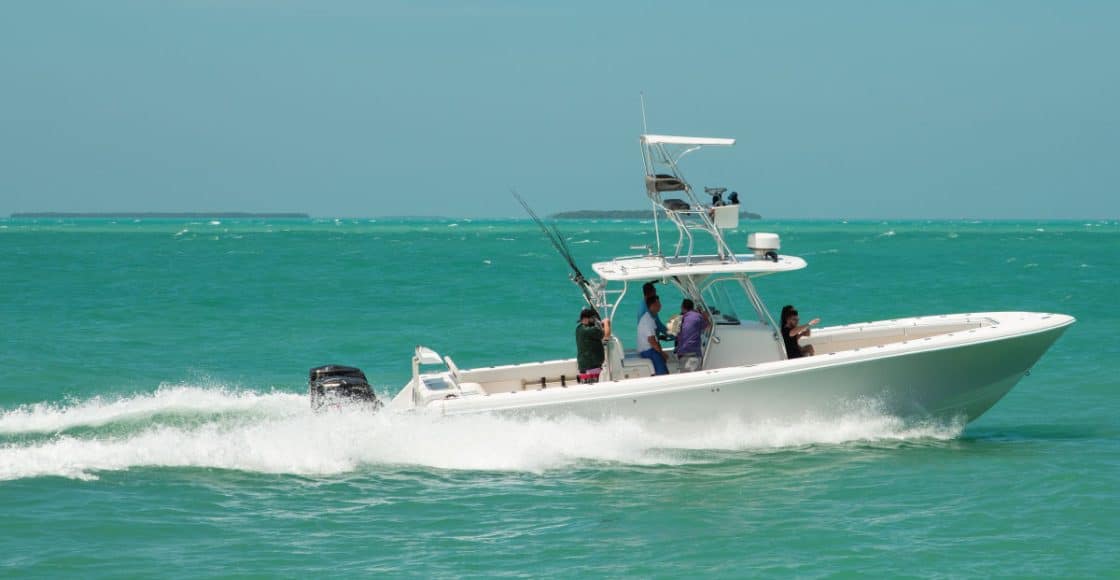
(160, 215)
(623, 214)
(568, 215)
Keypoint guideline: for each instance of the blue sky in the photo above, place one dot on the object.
(842, 110)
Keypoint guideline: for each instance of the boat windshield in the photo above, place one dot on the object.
(728, 302)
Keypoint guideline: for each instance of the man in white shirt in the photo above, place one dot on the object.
(648, 345)
(649, 289)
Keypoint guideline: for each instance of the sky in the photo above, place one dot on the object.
(842, 110)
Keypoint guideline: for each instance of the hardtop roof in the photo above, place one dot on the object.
(654, 267)
(680, 140)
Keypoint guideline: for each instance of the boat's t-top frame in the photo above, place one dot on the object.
(661, 155)
(705, 279)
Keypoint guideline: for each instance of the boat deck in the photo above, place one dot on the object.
(879, 335)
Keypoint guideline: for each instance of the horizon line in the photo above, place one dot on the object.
(307, 216)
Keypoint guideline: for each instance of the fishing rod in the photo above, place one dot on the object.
(557, 239)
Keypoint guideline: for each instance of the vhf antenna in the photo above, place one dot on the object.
(645, 131)
(642, 96)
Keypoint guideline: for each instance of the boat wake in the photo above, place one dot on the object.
(276, 432)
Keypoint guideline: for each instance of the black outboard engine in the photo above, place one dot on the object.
(340, 385)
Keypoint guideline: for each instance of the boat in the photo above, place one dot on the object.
(945, 367)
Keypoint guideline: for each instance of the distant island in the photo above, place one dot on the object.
(623, 214)
(161, 215)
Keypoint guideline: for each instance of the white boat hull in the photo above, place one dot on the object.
(951, 376)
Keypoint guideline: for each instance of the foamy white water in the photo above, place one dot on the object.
(277, 433)
(50, 417)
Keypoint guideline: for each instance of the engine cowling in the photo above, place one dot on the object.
(340, 385)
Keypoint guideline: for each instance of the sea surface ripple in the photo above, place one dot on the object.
(153, 416)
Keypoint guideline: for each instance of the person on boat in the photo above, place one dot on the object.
(792, 332)
(688, 349)
(648, 345)
(590, 334)
(649, 289)
(734, 199)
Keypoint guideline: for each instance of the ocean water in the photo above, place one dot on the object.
(153, 418)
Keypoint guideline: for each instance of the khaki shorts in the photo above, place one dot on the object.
(688, 363)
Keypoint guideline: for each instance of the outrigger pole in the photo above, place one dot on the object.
(557, 239)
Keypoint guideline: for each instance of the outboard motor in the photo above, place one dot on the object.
(340, 385)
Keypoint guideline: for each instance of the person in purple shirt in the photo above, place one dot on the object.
(693, 325)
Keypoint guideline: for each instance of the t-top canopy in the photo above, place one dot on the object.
(678, 140)
(653, 267)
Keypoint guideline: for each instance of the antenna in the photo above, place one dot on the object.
(642, 96)
(645, 162)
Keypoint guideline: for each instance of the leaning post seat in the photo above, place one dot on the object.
(626, 365)
(663, 182)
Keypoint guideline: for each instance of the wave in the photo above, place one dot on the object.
(167, 400)
(187, 426)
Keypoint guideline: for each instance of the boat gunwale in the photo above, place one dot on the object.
(724, 376)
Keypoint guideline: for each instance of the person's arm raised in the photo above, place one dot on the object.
(805, 328)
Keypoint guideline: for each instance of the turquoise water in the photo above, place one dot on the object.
(153, 418)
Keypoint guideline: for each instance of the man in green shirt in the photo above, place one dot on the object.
(590, 334)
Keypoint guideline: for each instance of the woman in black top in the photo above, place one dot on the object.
(791, 332)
